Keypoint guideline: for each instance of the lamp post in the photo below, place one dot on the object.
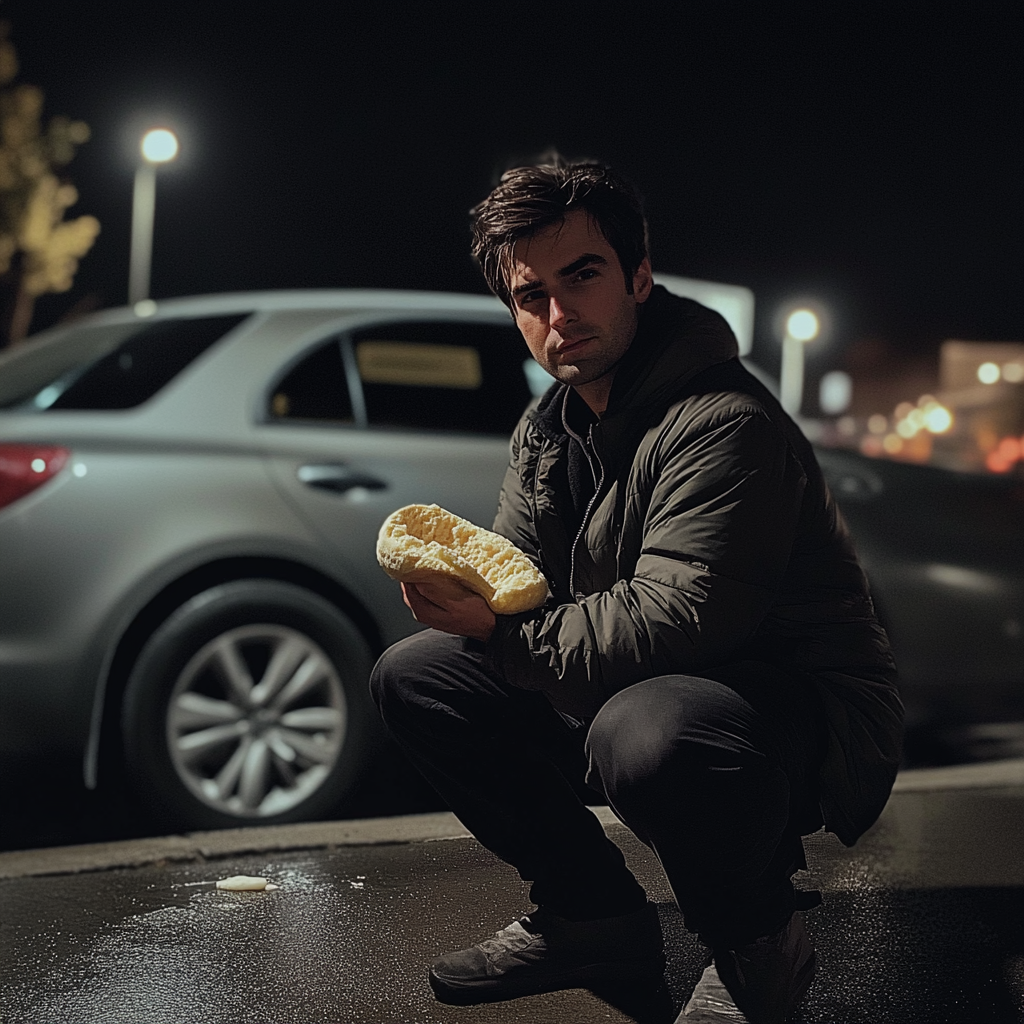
(802, 326)
(158, 146)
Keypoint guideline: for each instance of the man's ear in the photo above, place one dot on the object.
(643, 281)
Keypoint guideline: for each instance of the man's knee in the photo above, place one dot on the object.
(668, 724)
(401, 671)
(431, 673)
(627, 740)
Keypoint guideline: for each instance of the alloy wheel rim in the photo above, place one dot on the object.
(256, 721)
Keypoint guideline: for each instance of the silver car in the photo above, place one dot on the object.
(190, 494)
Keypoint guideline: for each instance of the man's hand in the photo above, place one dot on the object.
(451, 609)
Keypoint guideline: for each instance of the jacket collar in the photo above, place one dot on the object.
(676, 339)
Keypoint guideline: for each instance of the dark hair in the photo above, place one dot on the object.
(529, 199)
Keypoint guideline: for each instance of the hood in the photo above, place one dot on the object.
(676, 339)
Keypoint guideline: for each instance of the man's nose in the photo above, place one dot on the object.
(558, 312)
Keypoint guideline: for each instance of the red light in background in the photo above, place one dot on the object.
(1009, 449)
(1005, 454)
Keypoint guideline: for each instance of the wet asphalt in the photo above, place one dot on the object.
(923, 921)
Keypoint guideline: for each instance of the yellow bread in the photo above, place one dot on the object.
(426, 544)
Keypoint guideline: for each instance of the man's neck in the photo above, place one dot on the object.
(596, 393)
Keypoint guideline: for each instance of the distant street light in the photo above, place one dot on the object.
(802, 326)
(158, 146)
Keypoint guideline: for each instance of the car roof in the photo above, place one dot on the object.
(732, 301)
(306, 299)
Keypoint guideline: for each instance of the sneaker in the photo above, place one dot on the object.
(543, 952)
(759, 983)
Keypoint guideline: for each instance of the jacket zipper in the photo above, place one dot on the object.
(586, 513)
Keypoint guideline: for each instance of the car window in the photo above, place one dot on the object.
(314, 389)
(111, 366)
(452, 376)
(27, 370)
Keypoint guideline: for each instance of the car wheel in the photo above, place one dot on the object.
(249, 705)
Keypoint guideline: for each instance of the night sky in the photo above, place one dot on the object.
(868, 156)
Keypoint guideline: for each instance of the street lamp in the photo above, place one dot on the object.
(158, 146)
(802, 326)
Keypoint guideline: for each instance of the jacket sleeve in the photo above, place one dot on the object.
(721, 515)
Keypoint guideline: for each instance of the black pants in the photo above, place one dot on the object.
(717, 775)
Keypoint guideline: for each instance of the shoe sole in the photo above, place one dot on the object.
(497, 990)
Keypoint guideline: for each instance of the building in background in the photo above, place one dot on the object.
(982, 384)
(969, 416)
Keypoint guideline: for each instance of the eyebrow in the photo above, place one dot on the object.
(567, 271)
(584, 261)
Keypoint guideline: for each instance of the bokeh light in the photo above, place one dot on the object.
(988, 373)
(159, 146)
(1005, 454)
(937, 418)
(835, 392)
(802, 325)
(1009, 449)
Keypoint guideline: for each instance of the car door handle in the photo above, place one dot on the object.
(334, 476)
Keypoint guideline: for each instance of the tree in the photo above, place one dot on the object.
(39, 249)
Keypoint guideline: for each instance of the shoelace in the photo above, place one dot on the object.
(513, 936)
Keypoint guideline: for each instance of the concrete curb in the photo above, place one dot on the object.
(411, 828)
(199, 846)
(986, 775)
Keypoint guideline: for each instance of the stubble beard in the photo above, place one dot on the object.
(591, 370)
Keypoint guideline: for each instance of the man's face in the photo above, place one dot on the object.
(570, 302)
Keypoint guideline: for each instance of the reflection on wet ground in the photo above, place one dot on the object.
(922, 922)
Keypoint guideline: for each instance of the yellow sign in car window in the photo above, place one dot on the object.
(423, 366)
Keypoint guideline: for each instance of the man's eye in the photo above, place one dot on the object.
(586, 274)
(531, 297)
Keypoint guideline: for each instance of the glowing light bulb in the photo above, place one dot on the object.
(802, 325)
(159, 146)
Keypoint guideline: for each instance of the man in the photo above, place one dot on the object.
(709, 632)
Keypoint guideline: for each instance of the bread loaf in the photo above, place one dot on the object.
(426, 544)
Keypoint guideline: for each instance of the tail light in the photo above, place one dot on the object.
(23, 467)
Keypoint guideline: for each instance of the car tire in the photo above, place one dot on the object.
(249, 705)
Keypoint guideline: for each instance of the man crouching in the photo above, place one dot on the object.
(710, 637)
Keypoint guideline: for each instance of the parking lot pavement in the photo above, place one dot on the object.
(923, 921)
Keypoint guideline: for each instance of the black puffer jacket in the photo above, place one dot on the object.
(712, 538)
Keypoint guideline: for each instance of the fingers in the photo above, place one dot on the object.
(415, 601)
(466, 614)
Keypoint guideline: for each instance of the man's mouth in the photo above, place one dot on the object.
(569, 344)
